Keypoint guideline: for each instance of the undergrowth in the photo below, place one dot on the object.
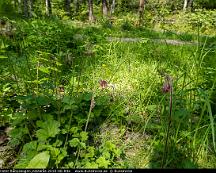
(75, 100)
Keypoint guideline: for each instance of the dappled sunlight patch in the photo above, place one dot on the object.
(135, 146)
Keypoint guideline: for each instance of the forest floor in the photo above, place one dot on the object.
(164, 41)
(127, 116)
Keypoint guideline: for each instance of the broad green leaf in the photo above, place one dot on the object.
(106, 154)
(82, 145)
(104, 100)
(42, 100)
(151, 107)
(3, 57)
(58, 143)
(68, 100)
(30, 146)
(40, 161)
(54, 69)
(43, 146)
(54, 152)
(70, 107)
(91, 152)
(71, 164)
(44, 69)
(84, 136)
(102, 162)
(91, 165)
(74, 142)
(61, 156)
(87, 96)
(74, 130)
(109, 145)
(49, 128)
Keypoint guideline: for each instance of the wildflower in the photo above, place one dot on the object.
(103, 84)
(167, 84)
(166, 87)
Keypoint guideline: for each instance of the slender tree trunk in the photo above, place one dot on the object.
(19, 6)
(185, 5)
(190, 4)
(112, 9)
(90, 10)
(104, 7)
(141, 10)
(67, 7)
(31, 8)
(76, 5)
(25, 8)
(48, 8)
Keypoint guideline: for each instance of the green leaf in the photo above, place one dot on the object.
(40, 161)
(84, 136)
(151, 107)
(71, 164)
(103, 100)
(74, 130)
(61, 156)
(74, 142)
(109, 145)
(42, 100)
(68, 100)
(28, 147)
(106, 154)
(102, 162)
(44, 70)
(70, 107)
(87, 96)
(3, 57)
(91, 152)
(58, 143)
(83, 145)
(54, 152)
(49, 128)
(91, 165)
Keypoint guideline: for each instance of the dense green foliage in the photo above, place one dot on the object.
(108, 94)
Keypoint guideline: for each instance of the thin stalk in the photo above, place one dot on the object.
(69, 126)
(87, 121)
(169, 121)
(90, 110)
(70, 116)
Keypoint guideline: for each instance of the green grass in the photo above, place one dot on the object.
(123, 126)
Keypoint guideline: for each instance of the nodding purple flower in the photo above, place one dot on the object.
(103, 84)
(167, 84)
(166, 87)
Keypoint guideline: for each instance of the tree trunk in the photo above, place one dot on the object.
(19, 6)
(25, 8)
(112, 9)
(190, 4)
(141, 10)
(76, 5)
(67, 7)
(185, 5)
(90, 10)
(104, 7)
(30, 8)
(48, 8)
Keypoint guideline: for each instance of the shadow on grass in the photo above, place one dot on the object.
(175, 157)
